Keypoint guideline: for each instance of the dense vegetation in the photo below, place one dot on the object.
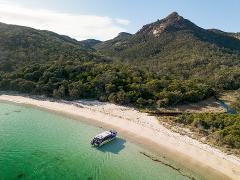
(236, 35)
(20, 45)
(43, 62)
(184, 63)
(222, 129)
(89, 43)
(116, 83)
(181, 49)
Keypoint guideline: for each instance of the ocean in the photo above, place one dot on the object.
(36, 144)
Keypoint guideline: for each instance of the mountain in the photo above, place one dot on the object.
(176, 46)
(117, 43)
(236, 35)
(168, 30)
(171, 23)
(43, 62)
(170, 49)
(90, 42)
(20, 45)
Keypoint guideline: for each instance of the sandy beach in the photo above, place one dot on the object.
(144, 130)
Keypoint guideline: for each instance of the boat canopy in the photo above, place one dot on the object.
(103, 135)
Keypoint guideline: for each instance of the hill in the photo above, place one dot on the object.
(171, 61)
(118, 43)
(20, 45)
(236, 35)
(43, 62)
(90, 42)
(176, 46)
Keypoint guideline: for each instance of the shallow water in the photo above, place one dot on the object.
(35, 144)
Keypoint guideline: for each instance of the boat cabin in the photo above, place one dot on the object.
(103, 138)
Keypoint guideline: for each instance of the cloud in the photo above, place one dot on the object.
(78, 26)
(123, 21)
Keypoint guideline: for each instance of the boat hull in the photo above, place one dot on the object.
(107, 141)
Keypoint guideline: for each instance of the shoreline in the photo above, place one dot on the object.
(142, 129)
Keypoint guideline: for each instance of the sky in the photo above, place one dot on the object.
(104, 19)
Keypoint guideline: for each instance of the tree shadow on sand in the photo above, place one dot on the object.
(114, 146)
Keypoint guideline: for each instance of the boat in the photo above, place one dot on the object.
(103, 138)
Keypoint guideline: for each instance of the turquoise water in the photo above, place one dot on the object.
(35, 144)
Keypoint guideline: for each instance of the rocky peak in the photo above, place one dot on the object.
(173, 16)
(173, 22)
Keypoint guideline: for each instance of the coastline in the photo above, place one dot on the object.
(144, 130)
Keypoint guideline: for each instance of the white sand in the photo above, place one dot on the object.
(132, 123)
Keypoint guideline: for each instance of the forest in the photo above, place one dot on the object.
(117, 83)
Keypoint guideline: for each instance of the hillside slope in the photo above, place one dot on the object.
(89, 43)
(176, 46)
(19, 45)
(43, 62)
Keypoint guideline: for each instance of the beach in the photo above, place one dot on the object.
(144, 130)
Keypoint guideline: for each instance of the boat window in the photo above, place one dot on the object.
(107, 137)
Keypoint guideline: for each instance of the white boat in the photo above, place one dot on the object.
(103, 138)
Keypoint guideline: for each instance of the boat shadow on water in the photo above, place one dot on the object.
(114, 146)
